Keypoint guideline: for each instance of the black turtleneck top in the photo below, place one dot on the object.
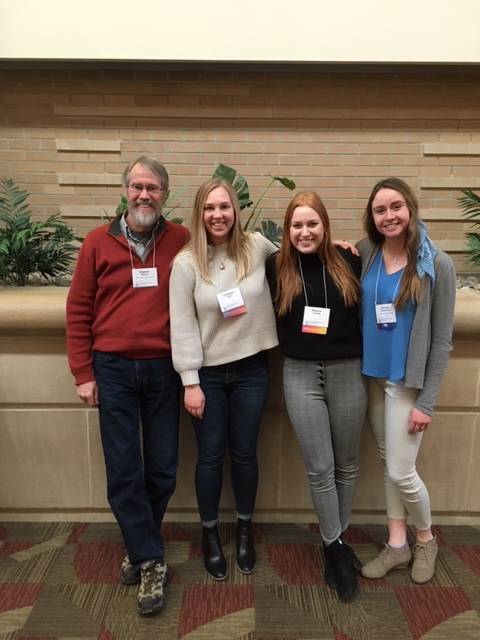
(343, 338)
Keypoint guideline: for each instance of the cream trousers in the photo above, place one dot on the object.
(389, 406)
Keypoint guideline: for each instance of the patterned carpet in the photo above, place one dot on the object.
(59, 580)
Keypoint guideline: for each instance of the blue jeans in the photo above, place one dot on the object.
(139, 486)
(235, 395)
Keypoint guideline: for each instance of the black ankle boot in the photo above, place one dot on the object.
(354, 559)
(213, 557)
(341, 569)
(246, 558)
(329, 574)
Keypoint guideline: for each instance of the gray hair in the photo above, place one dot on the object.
(149, 163)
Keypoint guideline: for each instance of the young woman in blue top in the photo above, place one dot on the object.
(408, 298)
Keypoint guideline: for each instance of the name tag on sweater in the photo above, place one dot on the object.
(231, 303)
(144, 277)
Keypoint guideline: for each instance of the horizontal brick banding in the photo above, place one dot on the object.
(450, 183)
(76, 144)
(87, 211)
(67, 134)
(89, 178)
(439, 149)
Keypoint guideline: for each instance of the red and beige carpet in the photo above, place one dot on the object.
(59, 580)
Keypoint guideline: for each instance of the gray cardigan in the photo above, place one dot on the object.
(431, 336)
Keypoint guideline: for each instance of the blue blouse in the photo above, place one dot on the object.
(384, 351)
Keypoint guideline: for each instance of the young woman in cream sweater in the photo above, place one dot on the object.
(222, 324)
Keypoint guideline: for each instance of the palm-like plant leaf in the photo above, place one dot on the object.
(473, 243)
(28, 246)
(470, 203)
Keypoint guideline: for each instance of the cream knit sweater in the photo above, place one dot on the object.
(200, 335)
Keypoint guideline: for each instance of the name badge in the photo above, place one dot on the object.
(231, 303)
(144, 277)
(386, 316)
(315, 320)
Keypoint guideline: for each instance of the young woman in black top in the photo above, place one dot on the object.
(316, 293)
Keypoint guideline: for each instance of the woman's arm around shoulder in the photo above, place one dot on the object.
(264, 244)
(367, 251)
(353, 261)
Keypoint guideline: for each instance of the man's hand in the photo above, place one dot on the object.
(418, 421)
(194, 400)
(88, 393)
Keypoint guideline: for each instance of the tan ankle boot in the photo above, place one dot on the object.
(424, 555)
(389, 558)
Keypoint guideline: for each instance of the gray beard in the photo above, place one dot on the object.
(145, 220)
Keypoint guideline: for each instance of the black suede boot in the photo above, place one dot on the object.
(329, 574)
(213, 557)
(354, 559)
(246, 558)
(341, 570)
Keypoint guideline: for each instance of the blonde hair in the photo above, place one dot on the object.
(411, 285)
(238, 243)
(289, 284)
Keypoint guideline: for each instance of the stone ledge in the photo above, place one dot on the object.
(42, 310)
(30, 310)
(467, 314)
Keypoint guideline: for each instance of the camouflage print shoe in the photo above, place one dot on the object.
(150, 595)
(129, 573)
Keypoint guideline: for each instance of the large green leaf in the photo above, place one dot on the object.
(287, 182)
(272, 231)
(224, 172)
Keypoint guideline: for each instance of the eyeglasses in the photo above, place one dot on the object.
(151, 189)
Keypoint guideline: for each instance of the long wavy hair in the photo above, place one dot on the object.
(238, 243)
(289, 283)
(411, 285)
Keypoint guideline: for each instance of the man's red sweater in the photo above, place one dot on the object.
(105, 312)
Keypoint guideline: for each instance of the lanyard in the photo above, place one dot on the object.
(378, 276)
(130, 248)
(303, 282)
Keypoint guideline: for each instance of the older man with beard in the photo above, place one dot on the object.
(118, 342)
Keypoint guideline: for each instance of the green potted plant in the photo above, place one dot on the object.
(470, 204)
(28, 247)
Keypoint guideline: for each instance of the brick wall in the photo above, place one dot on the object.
(66, 134)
